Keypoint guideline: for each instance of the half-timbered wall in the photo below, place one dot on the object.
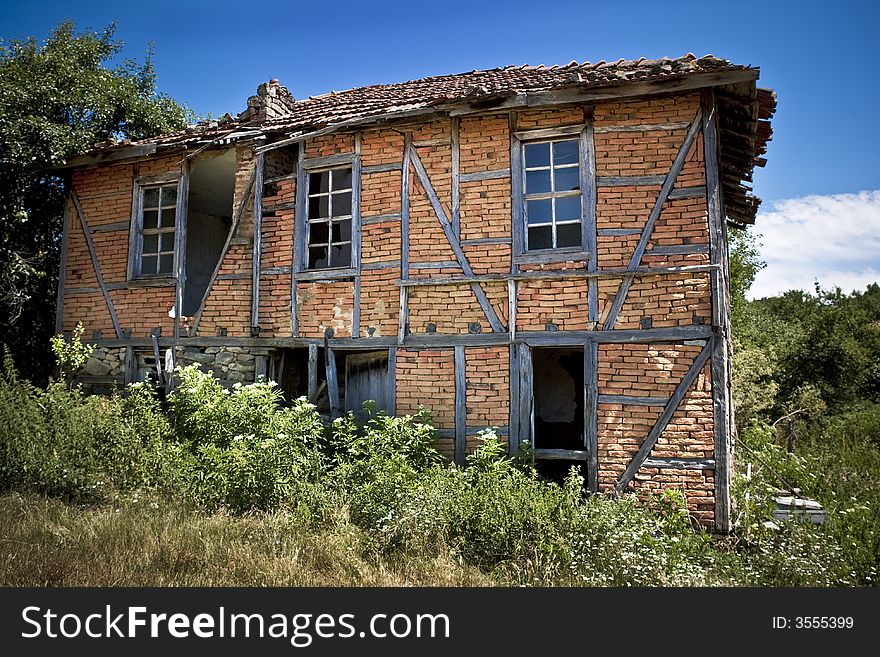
(441, 281)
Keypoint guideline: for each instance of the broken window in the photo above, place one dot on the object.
(329, 219)
(552, 194)
(155, 231)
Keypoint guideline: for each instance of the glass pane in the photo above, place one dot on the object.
(342, 179)
(317, 257)
(340, 255)
(151, 243)
(565, 152)
(151, 197)
(319, 207)
(568, 235)
(151, 219)
(567, 179)
(148, 265)
(540, 237)
(537, 155)
(168, 215)
(539, 212)
(167, 242)
(342, 231)
(166, 264)
(342, 204)
(319, 182)
(537, 182)
(568, 208)
(169, 195)
(318, 233)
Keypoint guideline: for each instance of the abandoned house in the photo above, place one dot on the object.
(538, 249)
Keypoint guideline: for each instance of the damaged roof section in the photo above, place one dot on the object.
(274, 115)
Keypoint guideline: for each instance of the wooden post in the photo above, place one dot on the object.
(62, 268)
(460, 405)
(511, 308)
(456, 177)
(332, 382)
(257, 257)
(516, 187)
(588, 213)
(591, 410)
(313, 372)
(526, 394)
(356, 234)
(513, 415)
(392, 380)
(721, 415)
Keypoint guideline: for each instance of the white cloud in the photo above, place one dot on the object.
(834, 239)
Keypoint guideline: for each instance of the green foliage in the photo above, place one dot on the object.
(58, 99)
(71, 355)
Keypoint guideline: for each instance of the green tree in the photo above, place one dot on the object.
(58, 99)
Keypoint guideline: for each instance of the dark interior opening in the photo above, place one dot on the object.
(558, 407)
(208, 220)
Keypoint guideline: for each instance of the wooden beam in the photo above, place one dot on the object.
(404, 207)
(448, 264)
(257, 255)
(478, 176)
(380, 218)
(561, 455)
(84, 224)
(618, 232)
(326, 161)
(111, 228)
(588, 213)
(485, 240)
(456, 178)
(236, 220)
(403, 315)
(647, 231)
(513, 410)
(460, 406)
(511, 309)
(687, 192)
(516, 194)
(626, 400)
(642, 127)
(312, 389)
(332, 382)
(679, 249)
(629, 181)
(668, 411)
(180, 228)
(62, 268)
(721, 416)
(680, 464)
(480, 295)
(381, 168)
(356, 234)
(157, 357)
(525, 387)
(591, 413)
(546, 133)
(392, 380)
(124, 153)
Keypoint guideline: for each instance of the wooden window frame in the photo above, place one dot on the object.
(587, 179)
(136, 232)
(305, 167)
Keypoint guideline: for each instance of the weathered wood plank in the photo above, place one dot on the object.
(516, 187)
(392, 380)
(627, 400)
(460, 406)
(157, 357)
(513, 410)
(478, 176)
(62, 268)
(381, 168)
(526, 394)
(111, 228)
(588, 213)
(662, 421)
(456, 178)
(377, 266)
(679, 249)
(478, 291)
(403, 315)
(356, 234)
(687, 192)
(404, 207)
(448, 264)
(629, 181)
(486, 240)
(511, 309)
(561, 455)
(549, 257)
(591, 417)
(721, 416)
(642, 127)
(618, 232)
(257, 255)
(680, 464)
(84, 224)
(547, 133)
(180, 226)
(380, 218)
(313, 372)
(326, 161)
(332, 382)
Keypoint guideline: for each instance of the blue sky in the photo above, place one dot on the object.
(819, 58)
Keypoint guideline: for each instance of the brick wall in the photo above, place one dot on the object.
(427, 378)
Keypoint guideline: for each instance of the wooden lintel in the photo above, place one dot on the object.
(642, 127)
(477, 176)
(546, 133)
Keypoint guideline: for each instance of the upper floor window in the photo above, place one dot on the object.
(552, 194)
(329, 219)
(156, 225)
